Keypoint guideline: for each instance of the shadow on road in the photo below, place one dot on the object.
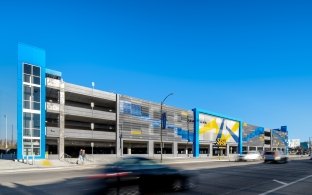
(221, 180)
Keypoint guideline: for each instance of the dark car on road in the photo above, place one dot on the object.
(275, 156)
(146, 174)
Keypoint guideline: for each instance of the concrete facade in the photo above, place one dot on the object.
(75, 117)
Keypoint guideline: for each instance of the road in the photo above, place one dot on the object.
(214, 178)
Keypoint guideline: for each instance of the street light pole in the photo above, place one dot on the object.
(161, 126)
(310, 147)
(188, 135)
(6, 131)
(92, 124)
(120, 142)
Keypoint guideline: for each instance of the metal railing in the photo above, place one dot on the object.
(89, 158)
(68, 158)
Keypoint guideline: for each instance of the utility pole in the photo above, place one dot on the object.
(161, 126)
(310, 147)
(12, 137)
(92, 124)
(6, 131)
(188, 135)
(120, 143)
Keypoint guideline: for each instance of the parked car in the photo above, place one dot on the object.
(145, 173)
(275, 156)
(249, 156)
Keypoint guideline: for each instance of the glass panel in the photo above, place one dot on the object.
(36, 71)
(36, 142)
(31, 144)
(26, 78)
(27, 120)
(36, 121)
(27, 132)
(27, 68)
(27, 92)
(36, 80)
(36, 133)
(36, 106)
(36, 94)
(27, 151)
(27, 104)
(27, 142)
(36, 151)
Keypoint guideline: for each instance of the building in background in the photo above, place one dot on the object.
(293, 143)
(56, 119)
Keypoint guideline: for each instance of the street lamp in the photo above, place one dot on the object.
(310, 147)
(188, 134)
(6, 131)
(161, 126)
(120, 142)
(92, 124)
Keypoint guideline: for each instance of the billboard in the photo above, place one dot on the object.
(218, 129)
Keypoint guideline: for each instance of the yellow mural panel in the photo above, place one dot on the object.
(209, 126)
(235, 127)
(136, 132)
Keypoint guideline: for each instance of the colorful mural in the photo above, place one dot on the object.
(280, 138)
(253, 135)
(212, 128)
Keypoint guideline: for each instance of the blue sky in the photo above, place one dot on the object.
(246, 59)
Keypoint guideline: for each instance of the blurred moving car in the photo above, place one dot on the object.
(145, 173)
(275, 156)
(249, 156)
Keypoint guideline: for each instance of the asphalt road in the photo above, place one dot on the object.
(214, 178)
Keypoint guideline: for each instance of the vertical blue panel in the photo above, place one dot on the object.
(43, 113)
(19, 121)
(34, 56)
(196, 134)
(240, 143)
(284, 129)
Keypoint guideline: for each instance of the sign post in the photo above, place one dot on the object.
(92, 145)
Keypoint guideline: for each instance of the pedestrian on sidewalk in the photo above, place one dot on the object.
(83, 155)
(80, 159)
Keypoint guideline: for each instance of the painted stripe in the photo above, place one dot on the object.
(284, 186)
(283, 183)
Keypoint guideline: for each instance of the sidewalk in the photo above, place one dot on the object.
(11, 166)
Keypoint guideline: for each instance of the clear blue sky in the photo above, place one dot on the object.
(246, 59)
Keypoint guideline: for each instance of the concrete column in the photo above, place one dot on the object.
(175, 149)
(210, 150)
(129, 150)
(227, 149)
(119, 145)
(150, 148)
(61, 142)
(248, 148)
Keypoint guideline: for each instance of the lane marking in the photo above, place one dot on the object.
(283, 183)
(283, 186)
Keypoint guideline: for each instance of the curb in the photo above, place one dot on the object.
(93, 166)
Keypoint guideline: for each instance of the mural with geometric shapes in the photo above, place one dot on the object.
(253, 135)
(280, 138)
(212, 128)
